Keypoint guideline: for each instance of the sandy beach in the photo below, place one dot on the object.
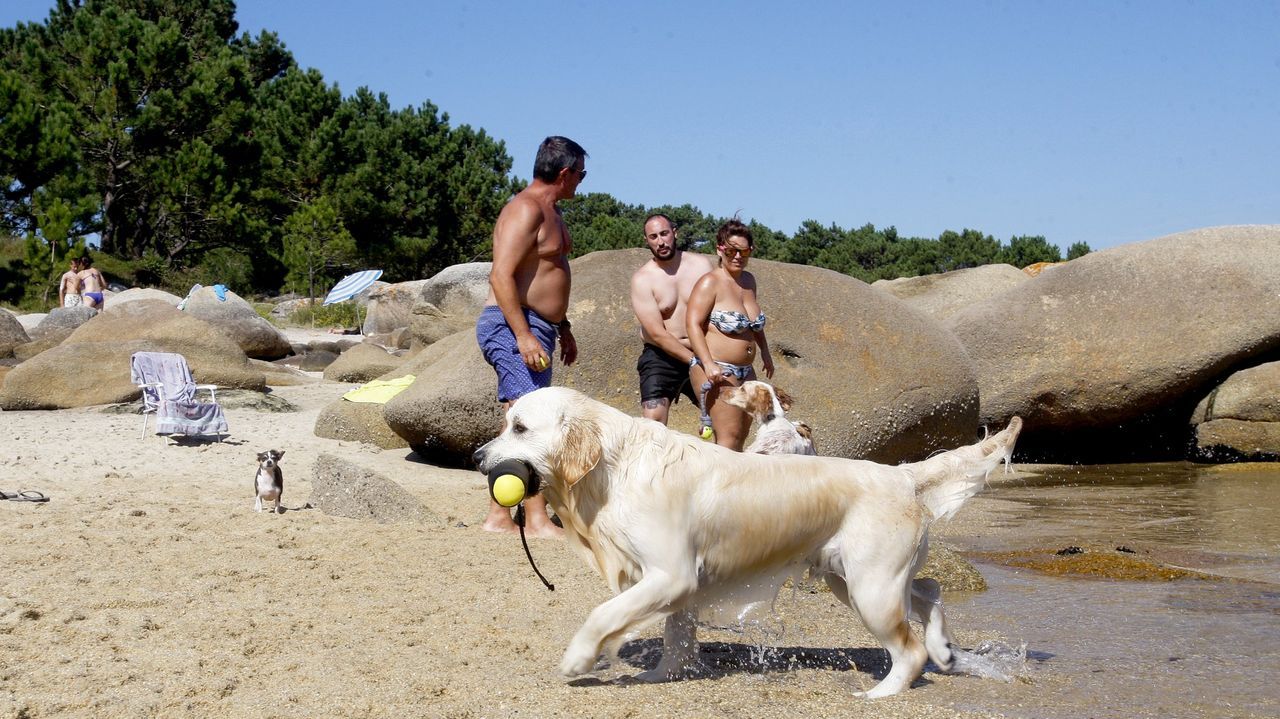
(148, 586)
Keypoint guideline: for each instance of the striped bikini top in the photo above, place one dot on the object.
(733, 323)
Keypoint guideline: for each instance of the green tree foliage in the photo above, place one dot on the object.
(1077, 249)
(316, 245)
(1026, 250)
(48, 247)
(417, 194)
(169, 136)
(158, 103)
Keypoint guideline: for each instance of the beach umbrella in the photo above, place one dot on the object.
(349, 287)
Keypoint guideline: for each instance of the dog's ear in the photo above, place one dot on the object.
(580, 451)
(804, 430)
(280, 454)
(734, 396)
(784, 399)
(262, 456)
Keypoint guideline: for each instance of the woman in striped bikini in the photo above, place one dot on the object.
(724, 335)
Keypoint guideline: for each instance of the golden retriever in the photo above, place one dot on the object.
(677, 526)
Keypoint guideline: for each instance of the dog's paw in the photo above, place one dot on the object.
(577, 663)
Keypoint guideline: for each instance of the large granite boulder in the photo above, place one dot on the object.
(12, 334)
(357, 422)
(284, 308)
(362, 363)
(62, 321)
(1104, 356)
(31, 321)
(944, 294)
(875, 378)
(391, 307)
(1240, 418)
(450, 302)
(343, 489)
(237, 319)
(135, 294)
(91, 366)
(24, 352)
(279, 375)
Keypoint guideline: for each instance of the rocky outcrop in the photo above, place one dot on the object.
(279, 375)
(26, 351)
(1104, 356)
(137, 294)
(31, 321)
(361, 364)
(391, 308)
(449, 302)
(1240, 418)
(237, 319)
(12, 334)
(873, 377)
(91, 366)
(357, 422)
(343, 489)
(451, 409)
(62, 321)
(942, 295)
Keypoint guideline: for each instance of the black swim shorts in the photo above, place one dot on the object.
(663, 376)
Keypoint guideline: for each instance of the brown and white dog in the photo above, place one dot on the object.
(769, 405)
(677, 526)
(268, 481)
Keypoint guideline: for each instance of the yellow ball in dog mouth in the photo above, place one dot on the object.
(508, 490)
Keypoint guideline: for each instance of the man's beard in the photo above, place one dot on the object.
(671, 252)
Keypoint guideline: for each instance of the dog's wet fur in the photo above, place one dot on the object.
(677, 526)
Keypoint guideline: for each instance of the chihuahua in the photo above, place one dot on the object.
(268, 482)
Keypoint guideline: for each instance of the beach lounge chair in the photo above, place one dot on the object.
(169, 392)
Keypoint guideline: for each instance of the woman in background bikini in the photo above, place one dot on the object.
(725, 325)
(94, 283)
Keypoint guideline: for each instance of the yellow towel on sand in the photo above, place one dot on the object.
(379, 391)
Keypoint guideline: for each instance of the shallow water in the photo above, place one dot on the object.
(1109, 648)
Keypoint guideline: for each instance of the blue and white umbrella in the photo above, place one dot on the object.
(350, 286)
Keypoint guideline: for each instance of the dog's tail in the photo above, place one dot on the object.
(945, 481)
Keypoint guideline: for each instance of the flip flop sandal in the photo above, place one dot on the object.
(24, 496)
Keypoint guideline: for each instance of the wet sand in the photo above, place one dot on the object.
(147, 586)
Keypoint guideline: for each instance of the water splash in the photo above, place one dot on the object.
(991, 660)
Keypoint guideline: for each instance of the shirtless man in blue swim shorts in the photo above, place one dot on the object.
(529, 297)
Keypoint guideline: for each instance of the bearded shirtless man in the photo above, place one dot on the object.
(659, 291)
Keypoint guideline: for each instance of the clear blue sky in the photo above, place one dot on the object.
(1102, 122)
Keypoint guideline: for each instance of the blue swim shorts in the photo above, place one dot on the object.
(498, 345)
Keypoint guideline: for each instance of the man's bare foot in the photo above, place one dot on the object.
(499, 520)
(545, 530)
(537, 523)
(508, 527)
